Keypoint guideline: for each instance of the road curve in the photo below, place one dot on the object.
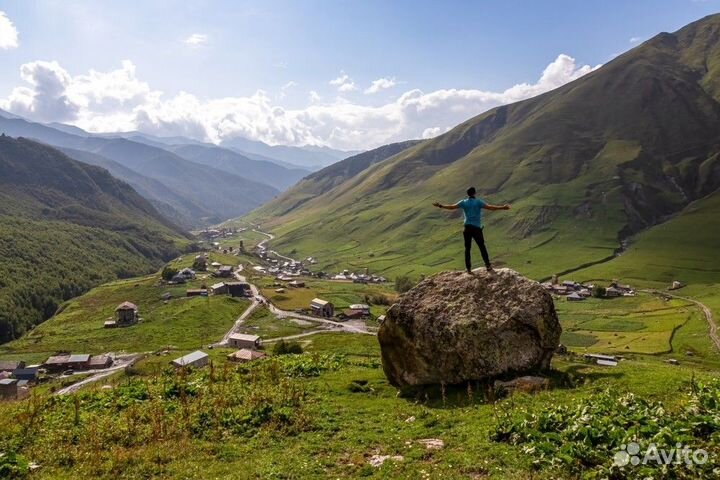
(706, 311)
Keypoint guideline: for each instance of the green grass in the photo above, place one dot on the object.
(641, 324)
(182, 322)
(341, 294)
(267, 326)
(330, 432)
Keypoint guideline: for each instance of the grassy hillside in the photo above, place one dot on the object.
(184, 323)
(329, 177)
(582, 169)
(330, 413)
(67, 226)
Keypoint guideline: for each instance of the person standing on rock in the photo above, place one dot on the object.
(472, 209)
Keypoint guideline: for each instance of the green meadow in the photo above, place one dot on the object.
(325, 414)
(186, 323)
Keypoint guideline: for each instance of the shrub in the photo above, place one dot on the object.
(584, 437)
(284, 348)
(169, 272)
(403, 283)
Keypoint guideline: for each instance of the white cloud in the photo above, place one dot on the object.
(118, 101)
(8, 33)
(635, 40)
(196, 40)
(343, 83)
(381, 84)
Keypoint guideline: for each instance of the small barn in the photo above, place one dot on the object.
(322, 308)
(575, 297)
(297, 284)
(196, 359)
(219, 289)
(126, 314)
(8, 389)
(362, 308)
(613, 292)
(245, 355)
(79, 361)
(187, 273)
(29, 374)
(239, 289)
(243, 340)
(224, 272)
(56, 363)
(10, 365)
(99, 361)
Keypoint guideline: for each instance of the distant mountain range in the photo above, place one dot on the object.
(309, 157)
(193, 184)
(66, 226)
(585, 166)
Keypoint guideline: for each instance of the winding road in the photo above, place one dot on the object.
(705, 309)
(257, 301)
(121, 363)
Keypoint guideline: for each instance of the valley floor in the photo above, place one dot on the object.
(330, 413)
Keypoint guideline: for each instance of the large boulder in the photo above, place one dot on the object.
(454, 327)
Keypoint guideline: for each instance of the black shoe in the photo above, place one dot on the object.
(489, 269)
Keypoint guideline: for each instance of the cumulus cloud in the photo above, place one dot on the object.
(381, 84)
(196, 40)
(118, 101)
(635, 40)
(343, 83)
(8, 33)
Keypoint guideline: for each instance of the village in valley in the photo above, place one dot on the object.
(276, 276)
(279, 277)
(278, 290)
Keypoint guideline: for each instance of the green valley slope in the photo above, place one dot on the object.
(66, 226)
(585, 166)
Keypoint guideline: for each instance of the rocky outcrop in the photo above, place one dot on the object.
(454, 327)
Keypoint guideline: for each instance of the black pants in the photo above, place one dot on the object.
(471, 233)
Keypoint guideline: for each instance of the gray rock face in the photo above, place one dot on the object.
(454, 327)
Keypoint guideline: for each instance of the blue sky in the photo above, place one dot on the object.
(214, 58)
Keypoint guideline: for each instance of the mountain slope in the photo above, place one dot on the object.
(171, 204)
(585, 165)
(230, 161)
(221, 194)
(305, 157)
(329, 177)
(66, 226)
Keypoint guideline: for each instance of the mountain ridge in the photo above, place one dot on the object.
(66, 226)
(583, 169)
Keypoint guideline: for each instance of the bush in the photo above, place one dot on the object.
(284, 348)
(13, 466)
(377, 299)
(599, 292)
(169, 272)
(584, 437)
(403, 283)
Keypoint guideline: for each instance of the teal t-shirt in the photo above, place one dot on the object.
(472, 210)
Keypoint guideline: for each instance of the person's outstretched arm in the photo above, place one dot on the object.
(446, 207)
(487, 206)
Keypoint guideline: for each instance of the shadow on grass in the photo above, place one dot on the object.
(489, 391)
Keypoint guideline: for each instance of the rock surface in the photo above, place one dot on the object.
(454, 327)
